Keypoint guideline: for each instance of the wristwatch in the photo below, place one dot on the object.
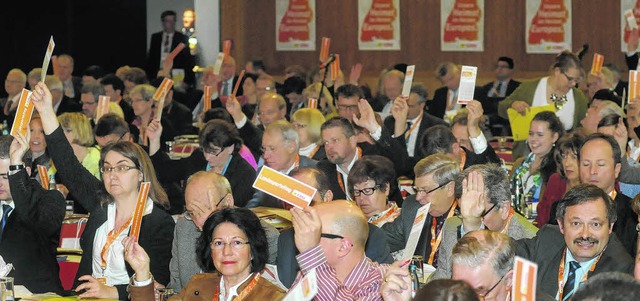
(16, 167)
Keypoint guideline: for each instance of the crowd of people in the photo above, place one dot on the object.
(568, 201)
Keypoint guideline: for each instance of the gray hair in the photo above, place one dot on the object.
(421, 91)
(94, 88)
(145, 90)
(288, 131)
(496, 183)
(609, 107)
(444, 168)
(53, 82)
(493, 248)
(23, 76)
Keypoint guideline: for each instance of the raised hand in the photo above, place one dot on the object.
(367, 118)
(307, 226)
(154, 131)
(354, 75)
(397, 283)
(472, 201)
(399, 111)
(19, 146)
(137, 258)
(475, 112)
(235, 109)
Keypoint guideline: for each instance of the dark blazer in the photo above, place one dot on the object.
(129, 115)
(438, 105)
(488, 156)
(376, 249)
(511, 86)
(180, 117)
(632, 61)
(625, 226)
(156, 231)
(398, 230)
(32, 233)
(491, 105)
(184, 60)
(68, 105)
(76, 81)
(547, 247)
(239, 173)
(252, 137)
(262, 199)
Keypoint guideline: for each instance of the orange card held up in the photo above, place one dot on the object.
(525, 274)
(175, 52)
(44, 177)
(312, 103)
(208, 90)
(235, 89)
(324, 50)
(596, 66)
(226, 47)
(284, 187)
(218, 63)
(160, 95)
(335, 68)
(137, 214)
(634, 84)
(103, 106)
(23, 114)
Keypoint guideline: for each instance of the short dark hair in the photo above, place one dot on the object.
(349, 90)
(249, 223)
(379, 169)
(609, 120)
(344, 123)
(609, 139)
(421, 91)
(219, 133)
(608, 286)
(507, 60)
(565, 60)
(167, 13)
(570, 142)
(294, 84)
(217, 113)
(5, 146)
(581, 194)
(436, 139)
(94, 88)
(94, 71)
(258, 64)
(114, 81)
(111, 124)
(446, 290)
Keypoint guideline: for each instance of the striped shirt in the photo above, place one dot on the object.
(363, 283)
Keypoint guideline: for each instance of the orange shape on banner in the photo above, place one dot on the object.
(295, 22)
(462, 22)
(548, 23)
(378, 24)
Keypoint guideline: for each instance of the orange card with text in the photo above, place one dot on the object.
(525, 274)
(235, 89)
(54, 64)
(208, 90)
(284, 187)
(324, 50)
(218, 64)
(103, 106)
(23, 114)
(44, 177)
(175, 52)
(335, 68)
(598, 61)
(634, 84)
(137, 214)
(226, 47)
(162, 90)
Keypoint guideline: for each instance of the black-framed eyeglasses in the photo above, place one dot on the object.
(331, 236)
(211, 151)
(571, 79)
(419, 190)
(365, 191)
(482, 296)
(188, 214)
(487, 211)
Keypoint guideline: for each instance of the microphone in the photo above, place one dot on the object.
(328, 61)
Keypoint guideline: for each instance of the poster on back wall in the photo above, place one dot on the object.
(379, 25)
(629, 19)
(295, 25)
(462, 25)
(548, 27)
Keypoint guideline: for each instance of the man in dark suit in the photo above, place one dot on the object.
(61, 103)
(31, 220)
(504, 84)
(223, 84)
(412, 121)
(445, 99)
(113, 87)
(13, 85)
(163, 42)
(435, 185)
(376, 248)
(71, 84)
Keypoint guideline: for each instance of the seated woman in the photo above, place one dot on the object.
(530, 175)
(371, 180)
(568, 175)
(78, 131)
(103, 272)
(144, 107)
(219, 145)
(232, 251)
(38, 147)
(307, 122)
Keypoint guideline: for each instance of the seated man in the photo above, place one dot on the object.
(206, 193)
(376, 248)
(331, 238)
(31, 220)
(110, 129)
(499, 216)
(609, 286)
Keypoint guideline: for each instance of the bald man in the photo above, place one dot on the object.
(206, 193)
(331, 238)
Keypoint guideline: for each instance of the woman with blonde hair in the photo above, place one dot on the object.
(78, 131)
(307, 122)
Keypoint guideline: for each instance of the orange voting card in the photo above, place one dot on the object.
(23, 114)
(596, 66)
(44, 177)
(634, 84)
(284, 187)
(137, 214)
(235, 89)
(47, 58)
(226, 47)
(408, 80)
(312, 103)
(335, 68)
(175, 52)
(525, 273)
(208, 90)
(103, 106)
(218, 64)
(162, 90)
(324, 50)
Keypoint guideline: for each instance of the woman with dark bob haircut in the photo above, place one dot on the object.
(234, 244)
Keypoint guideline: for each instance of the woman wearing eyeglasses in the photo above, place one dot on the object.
(111, 202)
(232, 251)
(558, 88)
(371, 180)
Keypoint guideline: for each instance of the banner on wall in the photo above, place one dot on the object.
(295, 25)
(462, 25)
(548, 27)
(379, 25)
(629, 19)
